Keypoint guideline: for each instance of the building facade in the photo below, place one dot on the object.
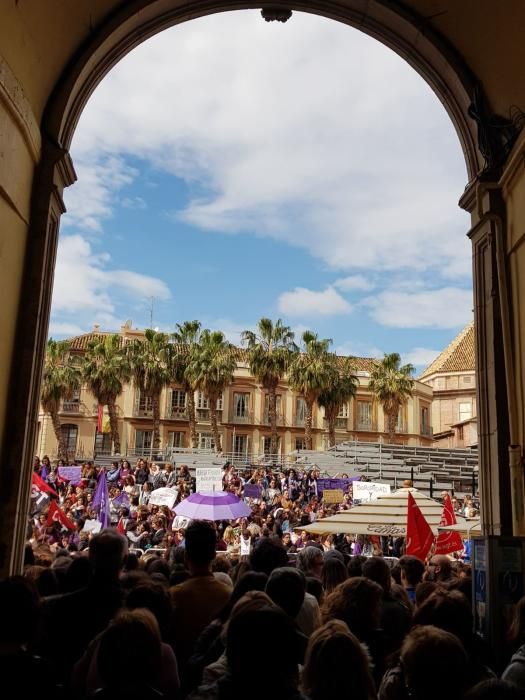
(242, 414)
(452, 377)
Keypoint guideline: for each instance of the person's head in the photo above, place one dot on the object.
(310, 561)
(154, 597)
(412, 570)
(19, 611)
(334, 572)
(357, 602)
(107, 552)
(448, 610)
(325, 673)
(268, 554)
(286, 587)
(439, 568)
(200, 544)
(424, 590)
(421, 650)
(262, 627)
(376, 569)
(355, 565)
(131, 641)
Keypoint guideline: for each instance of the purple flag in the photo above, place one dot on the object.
(44, 473)
(122, 500)
(101, 500)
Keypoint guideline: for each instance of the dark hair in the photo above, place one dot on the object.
(424, 590)
(376, 569)
(267, 555)
(448, 610)
(413, 569)
(153, 597)
(334, 572)
(314, 587)
(19, 610)
(355, 565)
(494, 689)
(286, 587)
(200, 542)
(356, 602)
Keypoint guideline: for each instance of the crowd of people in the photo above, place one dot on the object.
(187, 616)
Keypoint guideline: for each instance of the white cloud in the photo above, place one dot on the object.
(133, 203)
(86, 290)
(420, 357)
(305, 302)
(354, 282)
(448, 307)
(362, 168)
(64, 329)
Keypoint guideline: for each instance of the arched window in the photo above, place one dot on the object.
(70, 435)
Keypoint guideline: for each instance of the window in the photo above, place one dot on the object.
(343, 411)
(465, 411)
(103, 443)
(300, 444)
(72, 405)
(143, 439)
(300, 411)
(144, 404)
(364, 415)
(240, 444)
(203, 403)
(267, 441)
(241, 405)
(267, 407)
(70, 436)
(206, 441)
(425, 420)
(178, 400)
(175, 439)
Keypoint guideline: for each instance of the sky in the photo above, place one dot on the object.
(230, 169)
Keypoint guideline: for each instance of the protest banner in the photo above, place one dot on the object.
(333, 496)
(208, 478)
(365, 491)
(93, 526)
(163, 497)
(71, 473)
(325, 484)
(252, 491)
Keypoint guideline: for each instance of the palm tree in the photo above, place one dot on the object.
(210, 369)
(310, 374)
(270, 350)
(150, 367)
(60, 379)
(342, 387)
(187, 335)
(105, 368)
(392, 386)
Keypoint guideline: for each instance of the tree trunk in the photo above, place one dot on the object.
(392, 419)
(113, 424)
(155, 400)
(190, 404)
(272, 416)
(214, 426)
(61, 444)
(308, 425)
(331, 430)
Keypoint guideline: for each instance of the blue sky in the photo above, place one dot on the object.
(232, 169)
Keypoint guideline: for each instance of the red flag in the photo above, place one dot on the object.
(121, 528)
(100, 417)
(419, 535)
(448, 542)
(55, 514)
(38, 485)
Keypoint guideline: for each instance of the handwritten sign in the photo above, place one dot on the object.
(163, 497)
(331, 484)
(72, 474)
(92, 526)
(333, 496)
(208, 479)
(365, 491)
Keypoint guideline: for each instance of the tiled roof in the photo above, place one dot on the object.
(459, 356)
(80, 343)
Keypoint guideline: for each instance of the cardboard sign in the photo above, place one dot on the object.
(71, 473)
(163, 497)
(93, 526)
(365, 491)
(333, 496)
(208, 479)
(330, 484)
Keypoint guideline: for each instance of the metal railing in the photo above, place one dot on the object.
(71, 406)
(176, 413)
(245, 418)
(281, 420)
(366, 425)
(427, 430)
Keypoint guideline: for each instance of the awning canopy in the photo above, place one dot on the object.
(387, 515)
(466, 528)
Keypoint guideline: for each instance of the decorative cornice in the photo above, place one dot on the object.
(17, 104)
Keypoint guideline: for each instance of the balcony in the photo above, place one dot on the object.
(280, 419)
(366, 426)
(176, 413)
(143, 412)
(427, 430)
(202, 415)
(245, 418)
(341, 423)
(401, 428)
(71, 407)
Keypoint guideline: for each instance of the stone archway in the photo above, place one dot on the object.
(409, 35)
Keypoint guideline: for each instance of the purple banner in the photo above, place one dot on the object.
(72, 474)
(252, 491)
(122, 500)
(328, 484)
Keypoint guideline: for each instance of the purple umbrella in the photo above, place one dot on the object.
(213, 505)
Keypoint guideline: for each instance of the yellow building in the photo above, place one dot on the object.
(452, 377)
(242, 413)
